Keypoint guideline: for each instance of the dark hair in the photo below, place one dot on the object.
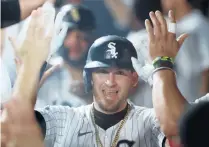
(143, 7)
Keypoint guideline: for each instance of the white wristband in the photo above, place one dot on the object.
(162, 68)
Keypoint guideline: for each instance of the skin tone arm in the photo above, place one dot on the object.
(205, 82)
(167, 99)
(18, 122)
(34, 48)
(118, 9)
(27, 6)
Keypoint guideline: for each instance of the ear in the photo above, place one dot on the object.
(135, 79)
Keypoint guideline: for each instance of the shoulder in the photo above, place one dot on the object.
(142, 113)
(63, 111)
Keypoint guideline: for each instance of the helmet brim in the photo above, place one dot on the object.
(95, 64)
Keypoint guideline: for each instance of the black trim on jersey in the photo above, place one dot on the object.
(101, 119)
(41, 122)
(164, 142)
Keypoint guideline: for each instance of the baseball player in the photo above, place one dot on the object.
(111, 120)
(65, 85)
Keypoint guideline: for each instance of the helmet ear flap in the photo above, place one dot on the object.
(87, 80)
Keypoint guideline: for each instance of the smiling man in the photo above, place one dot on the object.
(111, 120)
(65, 85)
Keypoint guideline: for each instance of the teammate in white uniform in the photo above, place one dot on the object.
(65, 85)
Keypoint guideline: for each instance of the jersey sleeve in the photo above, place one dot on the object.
(55, 118)
(155, 137)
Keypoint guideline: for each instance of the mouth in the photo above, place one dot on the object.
(110, 94)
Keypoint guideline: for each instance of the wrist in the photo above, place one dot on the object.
(163, 75)
(33, 68)
(32, 63)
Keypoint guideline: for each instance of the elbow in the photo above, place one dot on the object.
(169, 128)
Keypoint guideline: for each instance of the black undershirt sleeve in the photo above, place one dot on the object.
(10, 12)
(41, 122)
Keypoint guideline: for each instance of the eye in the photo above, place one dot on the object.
(101, 71)
(120, 72)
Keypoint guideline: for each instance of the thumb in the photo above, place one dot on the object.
(14, 44)
(48, 73)
(181, 39)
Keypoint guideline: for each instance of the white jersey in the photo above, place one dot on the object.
(73, 127)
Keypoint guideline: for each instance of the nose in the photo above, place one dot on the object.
(111, 80)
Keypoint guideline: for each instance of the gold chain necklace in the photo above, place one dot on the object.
(115, 141)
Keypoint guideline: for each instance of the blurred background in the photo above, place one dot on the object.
(126, 18)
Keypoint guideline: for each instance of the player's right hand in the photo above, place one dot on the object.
(19, 127)
(162, 42)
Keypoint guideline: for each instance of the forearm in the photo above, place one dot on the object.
(168, 101)
(26, 84)
(27, 6)
(205, 82)
(117, 9)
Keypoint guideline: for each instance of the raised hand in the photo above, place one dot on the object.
(35, 47)
(161, 42)
(162, 38)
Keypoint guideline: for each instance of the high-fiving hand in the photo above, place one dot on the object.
(19, 127)
(161, 42)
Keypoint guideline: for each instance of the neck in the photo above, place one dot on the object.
(180, 12)
(98, 108)
(76, 73)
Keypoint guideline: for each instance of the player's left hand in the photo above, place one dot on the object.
(162, 39)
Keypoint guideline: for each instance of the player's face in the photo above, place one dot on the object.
(111, 88)
(77, 43)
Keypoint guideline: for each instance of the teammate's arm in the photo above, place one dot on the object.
(33, 51)
(205, 82)
(167, 100)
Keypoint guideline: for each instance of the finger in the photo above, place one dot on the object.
(163, 23)
(149, 30)
(14, 44)
(172, 20)
(18, 64)
(48, 73)
(50, 34)
(156, 24)
(32, 24)
(52, 69)
(181, 39)
(39, 32)
(171, 16)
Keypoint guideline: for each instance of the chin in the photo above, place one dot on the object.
(110, 106)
